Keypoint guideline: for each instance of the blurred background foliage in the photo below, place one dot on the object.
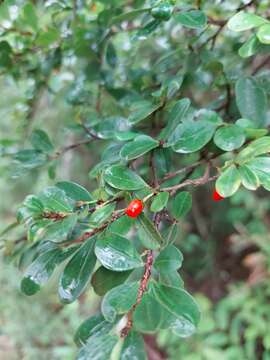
(226, 245)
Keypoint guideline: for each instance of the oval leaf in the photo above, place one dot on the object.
(228, 182)
(74, 191)
(229, 138)
(149, 235)
(141, 145)
(77, 272)
(244, 21)
(182, 204)
(122, 178)
(117, 253)
(249, 178)
(160, 201)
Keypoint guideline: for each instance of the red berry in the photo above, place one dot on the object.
(134, 208)
(217, 196)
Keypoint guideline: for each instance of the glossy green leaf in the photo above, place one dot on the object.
(162, 11)
(58, 231)
(120, 177)
(101, 214)
(251, 100)
(141, 111)
(160, 201)
(175, 116)
(39, 272)
(119, 300)
(179, 303)
(168, 260)
(99, 344)
(104, 280)
(245, 21)
(172, 279)
(182, 204)
(133, 347)
(30, 159)
(74, 191)
(178, 325)
(117, 253)
(191, 136)
(263, 34)
(29, 15)
(261, 167)
(194, 19)
(41, 141)
(122, 225)
(77, 272)
(55, 200)
(250, 47)
(229, 138)
(249, 178)
(148, 315)
(141, 145)
(228, 182)
(89, 327)
(149, 235)
(255, 148)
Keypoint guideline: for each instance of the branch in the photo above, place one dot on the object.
(195, 182)
(143, 286)
(88, 234)
(70, 147)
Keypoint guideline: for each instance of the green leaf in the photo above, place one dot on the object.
(250, 47)
(191, 136)
(58, 231)
(263, 34)
(229, 138)
(104, 280)
(119, 300)
(182, 204)
(89, 327)
(249, 178)
(251, 100)
(175, 116)
(194, 19)
(101, 214)
(41, 141)
(129, 16)
(55, 200)
(133, 347)
(122, 225)
(147, 317)
(169, 260)
(261, 167)
(141, 145)
(228, 182)
(162, 11)
(245, 21)
(179, 326)
(117, 253)
(48, 37)
(160, 201)
(255, 148)
(77, 272)
(74, 191)
(29, 16)
(149, 235)
(99, 344)
(179, 303)
(141, 111)
(172, 279)
(39, 272)
(122, 178)
(30, 159)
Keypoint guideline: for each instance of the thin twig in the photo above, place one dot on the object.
(142, 288)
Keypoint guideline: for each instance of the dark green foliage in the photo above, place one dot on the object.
(151, 100)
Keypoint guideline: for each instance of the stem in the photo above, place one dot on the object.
(143, 287)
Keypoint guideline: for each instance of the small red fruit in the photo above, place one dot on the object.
(216, 196)
(134, 208)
